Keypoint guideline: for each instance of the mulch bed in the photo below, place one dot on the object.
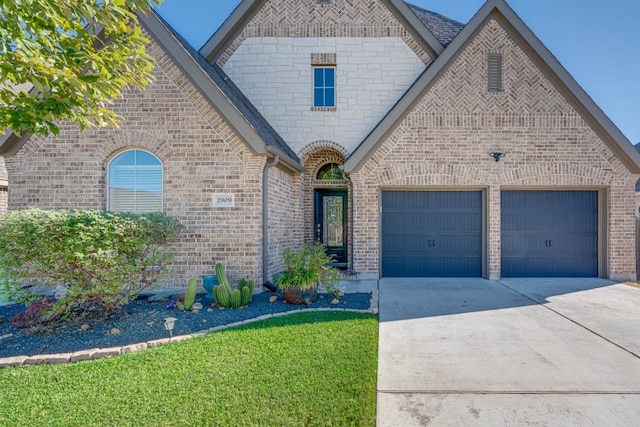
(142, 321)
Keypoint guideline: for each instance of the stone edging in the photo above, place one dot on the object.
(99, 353)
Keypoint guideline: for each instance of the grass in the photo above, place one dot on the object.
(308, 369)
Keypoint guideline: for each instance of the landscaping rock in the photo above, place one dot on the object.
(273, 299)
(335, 301)
(196, 306)
(115, 331)
(82, 355)
(85, 327)
(7, 362)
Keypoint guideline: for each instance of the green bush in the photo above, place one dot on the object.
(99, 257)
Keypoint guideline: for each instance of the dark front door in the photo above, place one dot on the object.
(549, 233)
(431, 234)
(331, 222)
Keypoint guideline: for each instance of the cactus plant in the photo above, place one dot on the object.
(228, 297)
(222, 276)
(236, 298)
(246, 295)
(190, 295)
(223, 295)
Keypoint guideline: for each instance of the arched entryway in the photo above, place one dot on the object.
(326, 198)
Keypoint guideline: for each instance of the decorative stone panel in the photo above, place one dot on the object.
(323, 59)
(444, 143)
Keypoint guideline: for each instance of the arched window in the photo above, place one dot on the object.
(330, 172)
(135, 182)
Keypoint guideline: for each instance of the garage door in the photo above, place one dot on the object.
(431, 233)
(549, 233)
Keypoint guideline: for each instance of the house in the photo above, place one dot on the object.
(4, 186)
(408, 143)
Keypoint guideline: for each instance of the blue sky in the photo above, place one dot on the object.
(597, 41)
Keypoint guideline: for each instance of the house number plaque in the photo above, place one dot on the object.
(224, 201)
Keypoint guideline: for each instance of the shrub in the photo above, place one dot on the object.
(98, 257)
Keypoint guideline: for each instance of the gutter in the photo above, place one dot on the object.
(265, 218)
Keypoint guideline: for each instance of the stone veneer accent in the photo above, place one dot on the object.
(276, 75)
(308, 19)
(201, 155)
(444, 144)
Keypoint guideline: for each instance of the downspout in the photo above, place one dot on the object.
(265, 218)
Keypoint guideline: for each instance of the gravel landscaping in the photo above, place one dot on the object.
(143, 320)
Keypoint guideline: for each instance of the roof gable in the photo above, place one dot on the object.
(537, 52)
(313, 16)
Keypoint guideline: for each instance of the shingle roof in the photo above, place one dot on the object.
(235, 96)
(445, 29)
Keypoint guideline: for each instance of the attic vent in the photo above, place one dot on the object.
(494, 72)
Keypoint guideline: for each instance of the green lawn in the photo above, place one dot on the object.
(309, 369)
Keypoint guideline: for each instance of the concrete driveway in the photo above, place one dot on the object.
(541, 352)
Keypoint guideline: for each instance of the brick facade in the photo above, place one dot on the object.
(201, 156)
(285, 216)
(4, 199)
(444, 143)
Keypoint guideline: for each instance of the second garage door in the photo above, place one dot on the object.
(550, 233)
(431, 234)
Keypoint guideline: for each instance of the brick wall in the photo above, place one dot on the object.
(444, 143)
(201, 156)
(4, 197)
(285, 216)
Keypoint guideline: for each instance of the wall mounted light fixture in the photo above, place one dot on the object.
(497, 155)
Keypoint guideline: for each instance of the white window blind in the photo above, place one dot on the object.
(135, 183)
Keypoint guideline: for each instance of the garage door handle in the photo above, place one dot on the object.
(547, 243)
(431, 243)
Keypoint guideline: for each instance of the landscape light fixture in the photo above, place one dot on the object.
(169, 323)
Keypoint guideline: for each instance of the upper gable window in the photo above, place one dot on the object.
(135, 183)
(324, 87)
(494, 73)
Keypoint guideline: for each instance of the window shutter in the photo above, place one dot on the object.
(494, 72)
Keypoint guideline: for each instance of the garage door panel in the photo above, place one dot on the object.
(549, 233)
(431, 233)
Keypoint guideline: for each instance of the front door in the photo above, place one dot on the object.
(331, 223)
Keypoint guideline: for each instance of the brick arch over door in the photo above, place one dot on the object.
(313, 158)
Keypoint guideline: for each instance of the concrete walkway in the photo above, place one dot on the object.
(474, 352)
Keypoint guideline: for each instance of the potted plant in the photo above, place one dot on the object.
(304, 270)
